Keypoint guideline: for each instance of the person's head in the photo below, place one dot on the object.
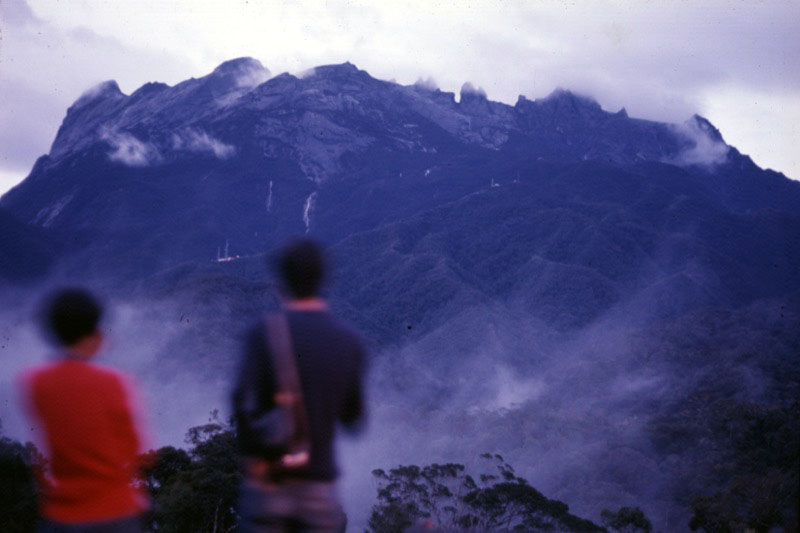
(301, 267)
(72, 318)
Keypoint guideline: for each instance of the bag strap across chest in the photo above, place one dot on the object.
(288, 387)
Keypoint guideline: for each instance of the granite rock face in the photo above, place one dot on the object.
(594, 206)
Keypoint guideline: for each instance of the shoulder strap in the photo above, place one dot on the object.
(288, 380)
(280, 344)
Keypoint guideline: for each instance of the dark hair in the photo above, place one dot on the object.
(301, 265)
(71, 314)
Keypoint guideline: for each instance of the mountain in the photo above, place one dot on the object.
(553, 201)
(28, 251)
(494, 256)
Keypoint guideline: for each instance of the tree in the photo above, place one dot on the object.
(757, 469)
(17, 485)
(753, 502)
(626, 520)
(445, 496)
(196, 491)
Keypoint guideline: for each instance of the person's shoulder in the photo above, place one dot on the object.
(42, 372)
(109, 375)
(61, 371)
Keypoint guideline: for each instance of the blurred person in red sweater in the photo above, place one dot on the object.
(89, 427)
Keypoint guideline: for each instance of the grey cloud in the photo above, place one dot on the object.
(16, 13)
(46, 68)
(654, 58)
(686, 43)
(29, 118)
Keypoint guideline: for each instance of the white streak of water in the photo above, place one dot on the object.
(308, 207)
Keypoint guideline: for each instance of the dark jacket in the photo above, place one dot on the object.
(330, 364)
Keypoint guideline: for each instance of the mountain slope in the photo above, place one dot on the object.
(170, 174)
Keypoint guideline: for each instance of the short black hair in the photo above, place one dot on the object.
(301, 266)
(71, 314)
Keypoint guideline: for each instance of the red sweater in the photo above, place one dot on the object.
(86, 414)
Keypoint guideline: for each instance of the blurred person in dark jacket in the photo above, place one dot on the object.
(329, 359)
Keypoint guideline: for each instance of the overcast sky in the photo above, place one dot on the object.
(736, 63)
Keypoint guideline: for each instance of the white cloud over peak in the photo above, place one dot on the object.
(468, 88)
(428, 83)
(704, 149)
(252, 77)
(130, 151)
(194, 140)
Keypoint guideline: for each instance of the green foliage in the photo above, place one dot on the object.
(446, 497)
(17, 485)
(730, 440)
(747, 471)
(626, 520)
(758, 503)
(760, 467)
(196, 491)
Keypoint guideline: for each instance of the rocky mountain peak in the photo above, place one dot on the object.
(563, 99)
(108, 89)
(469, 92)
(708, 128)
(242, 72)
(149, 89)
(341, 71)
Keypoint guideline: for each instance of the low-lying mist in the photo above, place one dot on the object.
(568, 411)
(571, 411)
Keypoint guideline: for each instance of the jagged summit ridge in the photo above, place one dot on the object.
(331, 110)
(101, 91)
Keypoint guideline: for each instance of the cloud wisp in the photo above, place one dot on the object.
(130, 151)
(194, 140)
(704, 150)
